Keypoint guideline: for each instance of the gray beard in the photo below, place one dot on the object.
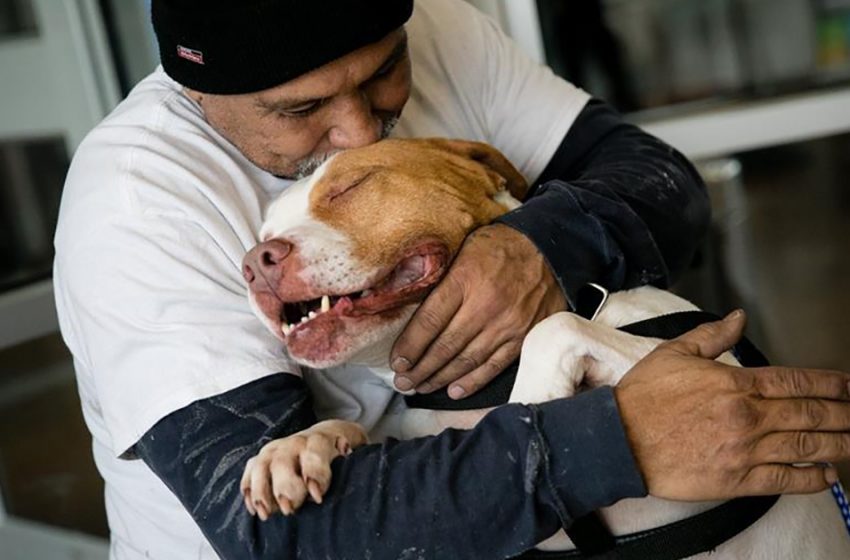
(308, 166)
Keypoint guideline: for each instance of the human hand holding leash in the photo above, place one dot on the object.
(704, 430)
(473, 323)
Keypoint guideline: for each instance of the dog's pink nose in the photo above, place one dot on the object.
(266, 259)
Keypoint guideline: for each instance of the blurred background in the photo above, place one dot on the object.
(756, 92)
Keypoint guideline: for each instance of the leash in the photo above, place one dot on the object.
(681, 539)
(697, 534)
(841, 500)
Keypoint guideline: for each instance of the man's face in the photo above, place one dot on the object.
(289, 130)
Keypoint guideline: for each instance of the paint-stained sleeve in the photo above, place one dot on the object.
(615, 206)
(490, 492)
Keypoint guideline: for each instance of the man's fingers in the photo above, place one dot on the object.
(711, 339)
(784, 382)
(477, 354)
(786, 415)
(443, 345)
(450, 349)
(476, 379)
(430, 319)
(784, 479)
(803, 447)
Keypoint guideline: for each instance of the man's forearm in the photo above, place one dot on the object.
(494, 491)
(615, 205)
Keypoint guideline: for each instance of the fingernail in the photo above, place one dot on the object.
(403, 383)
(400, 365)
(831, 475)
(425, 387)
(456, 392)
(734, 315)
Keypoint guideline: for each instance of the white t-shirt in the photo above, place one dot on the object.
(157, 213)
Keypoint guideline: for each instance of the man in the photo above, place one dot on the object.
(166, 195)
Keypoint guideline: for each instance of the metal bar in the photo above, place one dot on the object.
(757, 124)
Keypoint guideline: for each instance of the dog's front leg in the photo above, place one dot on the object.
(565, 350)
(288, 470)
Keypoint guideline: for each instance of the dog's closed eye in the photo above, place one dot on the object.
(346, 184)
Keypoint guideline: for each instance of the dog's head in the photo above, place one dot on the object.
(347, 254)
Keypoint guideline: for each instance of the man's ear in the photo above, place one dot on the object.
(490, 157)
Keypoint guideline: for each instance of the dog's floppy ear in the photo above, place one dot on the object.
(492, 158)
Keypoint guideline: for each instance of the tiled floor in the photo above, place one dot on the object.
(781, 247)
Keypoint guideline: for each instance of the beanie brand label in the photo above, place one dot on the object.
(190, 54)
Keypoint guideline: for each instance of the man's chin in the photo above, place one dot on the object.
(308, 166)
(303, 168)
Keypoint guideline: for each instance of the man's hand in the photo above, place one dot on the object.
(472, 325)
(703, 430)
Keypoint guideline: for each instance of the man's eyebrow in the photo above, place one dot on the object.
(285, 103)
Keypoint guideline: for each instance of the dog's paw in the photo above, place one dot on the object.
(287, 471)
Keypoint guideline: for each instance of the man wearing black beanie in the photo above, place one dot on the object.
(180, 384)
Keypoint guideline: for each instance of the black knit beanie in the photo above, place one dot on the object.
(243, 46)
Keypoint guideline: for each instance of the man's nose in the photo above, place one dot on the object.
(357, 125)
(266, 259)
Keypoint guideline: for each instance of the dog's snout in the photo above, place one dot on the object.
(265, 259)
(273, 252)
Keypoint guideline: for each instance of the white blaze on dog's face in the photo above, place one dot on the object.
(347, 254)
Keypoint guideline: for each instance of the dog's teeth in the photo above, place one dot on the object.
(365, 293)
(311, 314)
(303, 319)
(326, 303)
(285, 329)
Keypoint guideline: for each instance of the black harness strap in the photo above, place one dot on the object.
(676, 324)
(700, 533)
(681, 539)
(697, 534)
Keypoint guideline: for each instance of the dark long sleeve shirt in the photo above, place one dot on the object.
(616, 206)
(491, 492)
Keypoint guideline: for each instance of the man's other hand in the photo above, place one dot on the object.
(703, 430)
(472, 325)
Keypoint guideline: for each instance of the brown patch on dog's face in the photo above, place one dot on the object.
(348, 254)
(435, 188)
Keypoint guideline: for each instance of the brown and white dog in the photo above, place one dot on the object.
(347, 254)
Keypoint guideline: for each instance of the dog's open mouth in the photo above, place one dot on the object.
(408, 282)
